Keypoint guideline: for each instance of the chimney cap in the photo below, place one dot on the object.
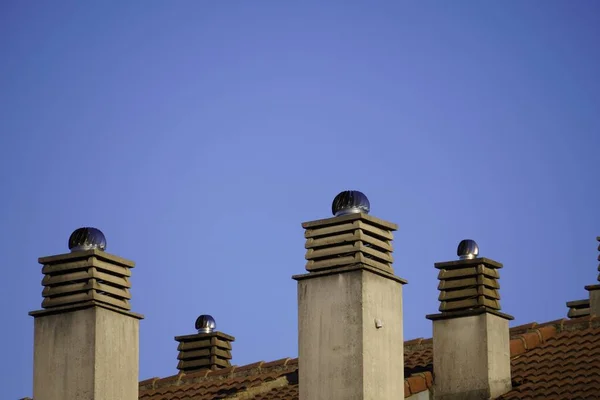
(467, 249)
(205, 324)
(87, 238)
(350, 202)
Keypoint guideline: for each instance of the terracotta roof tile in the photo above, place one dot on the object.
(280, 362)
(417, 383)
(517, 347)
(281, 393)
(565, 366)
(248, 367)
(293, 361)
(418, 360)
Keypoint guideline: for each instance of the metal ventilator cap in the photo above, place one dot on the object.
(87, 239)
(350, 202)
(467, 249)
(205, 324)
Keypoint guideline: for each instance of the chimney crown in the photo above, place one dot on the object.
(87, 238)
(87, 275)
(469, 285)
(350, 239)
(350, 202)
(207, 349)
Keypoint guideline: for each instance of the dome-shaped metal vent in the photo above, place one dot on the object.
(205, 324)
(350, 202)
(467, 249)
(86, 239)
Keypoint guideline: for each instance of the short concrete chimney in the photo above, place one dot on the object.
(86, 338)
(595, 291)
(207, 349)
(350, 307)
(471, 342)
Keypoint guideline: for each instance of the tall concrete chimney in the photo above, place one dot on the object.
(350, 307)
(595, 291)
(85, 337)
(471, 341)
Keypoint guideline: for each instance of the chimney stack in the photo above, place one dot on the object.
(350, 307)
(471, 342)
(595, 291)
(86, 339)
(207, 349)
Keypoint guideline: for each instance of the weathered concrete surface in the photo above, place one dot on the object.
(88, 354)
(594, 299)
(342, 354)
(471, 357)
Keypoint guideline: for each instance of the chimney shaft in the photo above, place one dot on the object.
(471, 342)
(350, 308)
(86, 338)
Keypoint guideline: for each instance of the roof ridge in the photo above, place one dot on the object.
(283, 365)
(531, 339)
(415, 383)
(588, 321)
(515, 331)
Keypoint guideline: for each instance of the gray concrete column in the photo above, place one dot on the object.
(594, 299)
(86, 354)
(350, 336)
(471, 357)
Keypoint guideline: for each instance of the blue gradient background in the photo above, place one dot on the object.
(199, 135)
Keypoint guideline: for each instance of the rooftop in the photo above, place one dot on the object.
(557, 359)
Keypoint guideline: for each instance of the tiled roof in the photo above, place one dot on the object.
(558, 359)
(565, 366)
(273, 380)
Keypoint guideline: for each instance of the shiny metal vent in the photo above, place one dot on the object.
(205, 324)
(87, 238)
(467, 249)
(350, 202)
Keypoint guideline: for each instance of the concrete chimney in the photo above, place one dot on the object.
(206, 349)
(85, 337)
(471, 341)
(350, 307)
(595, 291)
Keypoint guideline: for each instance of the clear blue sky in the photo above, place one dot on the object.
(198, 136)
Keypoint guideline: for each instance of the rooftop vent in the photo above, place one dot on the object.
(350, 202)
(356, 238)
(207, 349)
(87, 239)
(205, 324)
(578, 308)
(86, 274)
(469, 283)
(467, 249)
